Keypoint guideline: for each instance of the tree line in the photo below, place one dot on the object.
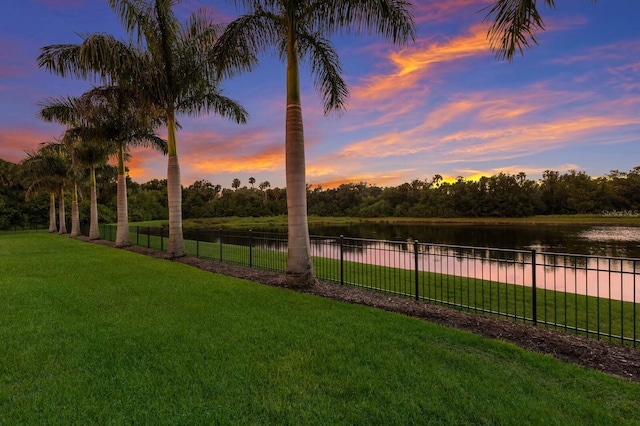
(499, 195)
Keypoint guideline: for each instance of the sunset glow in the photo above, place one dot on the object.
(442, 105)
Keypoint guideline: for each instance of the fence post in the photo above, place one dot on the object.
(250, 248)
(197, 242)
(220, 244)
(148, 237)
(138, 235)
(534, 293)
(161, 238)
(342, 259)
(415, 256)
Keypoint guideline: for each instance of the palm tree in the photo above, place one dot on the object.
(48, 168)
(514, 26)
(63, 111)
(106, 120)
(35, 181)
(91, 154)
(170, 67)
(299, 29)
(263, 187)
(118, 117)
(71, 143)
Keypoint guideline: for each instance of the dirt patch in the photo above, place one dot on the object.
(611, 358)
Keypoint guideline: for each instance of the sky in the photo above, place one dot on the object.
(442, 105)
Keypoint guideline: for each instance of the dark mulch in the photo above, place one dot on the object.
(609, 357)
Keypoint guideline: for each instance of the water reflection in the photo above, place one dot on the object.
(613, 278)
(464, 250)
(613, 241)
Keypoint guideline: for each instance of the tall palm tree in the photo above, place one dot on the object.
(119, 117)
(83, 153)
(107, 120)
(35, 181)
(48, 167)
(91, 153)
(300, 29)
(170, 66)
(76, 173)
(515, 24)
(63, 111)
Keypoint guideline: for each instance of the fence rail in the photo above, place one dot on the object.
(593, 296)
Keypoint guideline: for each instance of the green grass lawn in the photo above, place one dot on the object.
(95, 335)
(597, 317)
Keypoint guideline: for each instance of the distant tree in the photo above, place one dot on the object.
(252, 181)
(235, 184)
(263, 187)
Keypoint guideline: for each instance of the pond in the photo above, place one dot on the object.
(462, 250)
(609, 241)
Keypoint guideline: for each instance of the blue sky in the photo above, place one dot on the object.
(442, 105)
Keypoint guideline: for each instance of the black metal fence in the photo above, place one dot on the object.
(589, 295)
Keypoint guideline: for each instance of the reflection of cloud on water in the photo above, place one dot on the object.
(611, 233)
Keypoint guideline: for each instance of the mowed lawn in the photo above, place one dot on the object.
(96, 335)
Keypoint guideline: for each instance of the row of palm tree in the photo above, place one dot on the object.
(176, 68)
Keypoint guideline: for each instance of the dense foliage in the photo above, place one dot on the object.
(501, 195)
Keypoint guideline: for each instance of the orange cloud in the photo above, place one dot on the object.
(378, 180)
(251, 150)
(475, 174)
(513, 141)
(269, 159)
(14, 142)
(483, 126)
(412, 63)
(404, 90)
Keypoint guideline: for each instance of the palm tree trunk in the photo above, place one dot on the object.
(299, 265)
(94, 230)
(175, 248)
(75, 213)
(122, 232)
(52, 213)
(61, 215)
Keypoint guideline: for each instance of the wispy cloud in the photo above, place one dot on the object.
(435, 11)
(14, 142)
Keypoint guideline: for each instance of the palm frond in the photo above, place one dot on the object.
(515, 25)
(60, 110)
(238, 47)
(392, 19)
(213, 101)
(325, 66)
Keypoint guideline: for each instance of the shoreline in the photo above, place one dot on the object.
(281, 221)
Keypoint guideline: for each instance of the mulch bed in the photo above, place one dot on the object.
(609, 357)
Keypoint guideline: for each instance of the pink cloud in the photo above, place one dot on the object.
(15, 141)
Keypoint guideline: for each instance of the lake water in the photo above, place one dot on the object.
(591, 273)
(610, 241)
